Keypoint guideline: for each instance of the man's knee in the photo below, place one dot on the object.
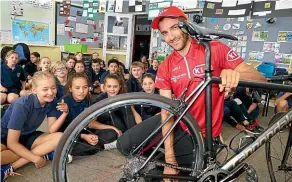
(282, 106)
(124, 146)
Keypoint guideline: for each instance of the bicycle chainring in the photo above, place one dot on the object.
(214, 175)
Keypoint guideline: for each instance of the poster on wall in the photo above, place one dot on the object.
(90, 8)
(259, 36)
(137, 6)
(110, 5)
(155, 6)
(185, 4)
(271, 47)
(281, 58)
(102, 6)
(31, 31)
(255, 56)
(16, 8)
(119, 6)
(65, 7)
(48, 4)
(226, 8)
(5, 35)
(285, 36)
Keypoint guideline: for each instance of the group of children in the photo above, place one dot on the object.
(59, 91)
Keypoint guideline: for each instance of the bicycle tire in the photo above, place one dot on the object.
(268, 149)
(59, 164)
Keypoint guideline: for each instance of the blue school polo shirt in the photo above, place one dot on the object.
(75, 108)
(97, 76)
(12, 78)
(26, 114)
(103, 77)
(60, 89)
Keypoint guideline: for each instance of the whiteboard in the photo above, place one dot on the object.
(30, 13)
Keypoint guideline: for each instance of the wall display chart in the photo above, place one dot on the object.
(76, 29)
(19, 23)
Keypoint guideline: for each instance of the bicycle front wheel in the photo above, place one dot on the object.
(280, 169)
(110, 164)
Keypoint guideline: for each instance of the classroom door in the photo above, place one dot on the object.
(118, 37)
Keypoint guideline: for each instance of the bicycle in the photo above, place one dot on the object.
(204, 166)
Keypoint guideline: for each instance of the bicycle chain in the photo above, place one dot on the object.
(173, 166)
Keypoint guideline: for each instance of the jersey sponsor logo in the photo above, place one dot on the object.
(159, 79)
(177, 77)
(199, 70)
(232, 55)
(176, 68)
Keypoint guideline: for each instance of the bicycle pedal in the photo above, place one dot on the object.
(251, 174)
(243, 142)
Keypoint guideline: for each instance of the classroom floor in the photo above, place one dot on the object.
(85, 168)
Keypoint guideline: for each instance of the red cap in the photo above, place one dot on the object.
(171, 11)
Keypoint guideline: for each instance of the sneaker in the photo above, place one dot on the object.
(50, 156)
(109, 146)
(69, 158)
(6, 171)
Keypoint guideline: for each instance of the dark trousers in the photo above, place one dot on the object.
(82, 148)
(238, 112)
(183, 144)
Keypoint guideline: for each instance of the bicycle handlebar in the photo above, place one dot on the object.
(201, 32)
(281, 78)
(259, 85)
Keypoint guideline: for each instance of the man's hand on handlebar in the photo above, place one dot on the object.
(230, 79)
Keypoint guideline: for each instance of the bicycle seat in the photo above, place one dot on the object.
(201, 32)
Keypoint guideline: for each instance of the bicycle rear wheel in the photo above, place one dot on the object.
(113, 163)
(275, 149)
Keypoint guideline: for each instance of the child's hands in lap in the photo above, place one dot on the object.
(91, 139)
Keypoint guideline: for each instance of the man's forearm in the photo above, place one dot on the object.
(253, 75)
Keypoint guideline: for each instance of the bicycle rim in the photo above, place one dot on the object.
(69, 136)
(275, 152)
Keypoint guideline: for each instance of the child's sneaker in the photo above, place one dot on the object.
(6, 171)
(50, 156)
(109, 146)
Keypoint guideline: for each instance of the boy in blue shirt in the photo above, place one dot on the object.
(97, 72)
(113, 67)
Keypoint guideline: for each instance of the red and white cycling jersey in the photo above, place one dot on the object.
(176, 71)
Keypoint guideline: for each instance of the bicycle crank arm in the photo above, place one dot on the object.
(235, 173)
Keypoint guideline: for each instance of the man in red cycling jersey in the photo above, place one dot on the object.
(186, 63)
